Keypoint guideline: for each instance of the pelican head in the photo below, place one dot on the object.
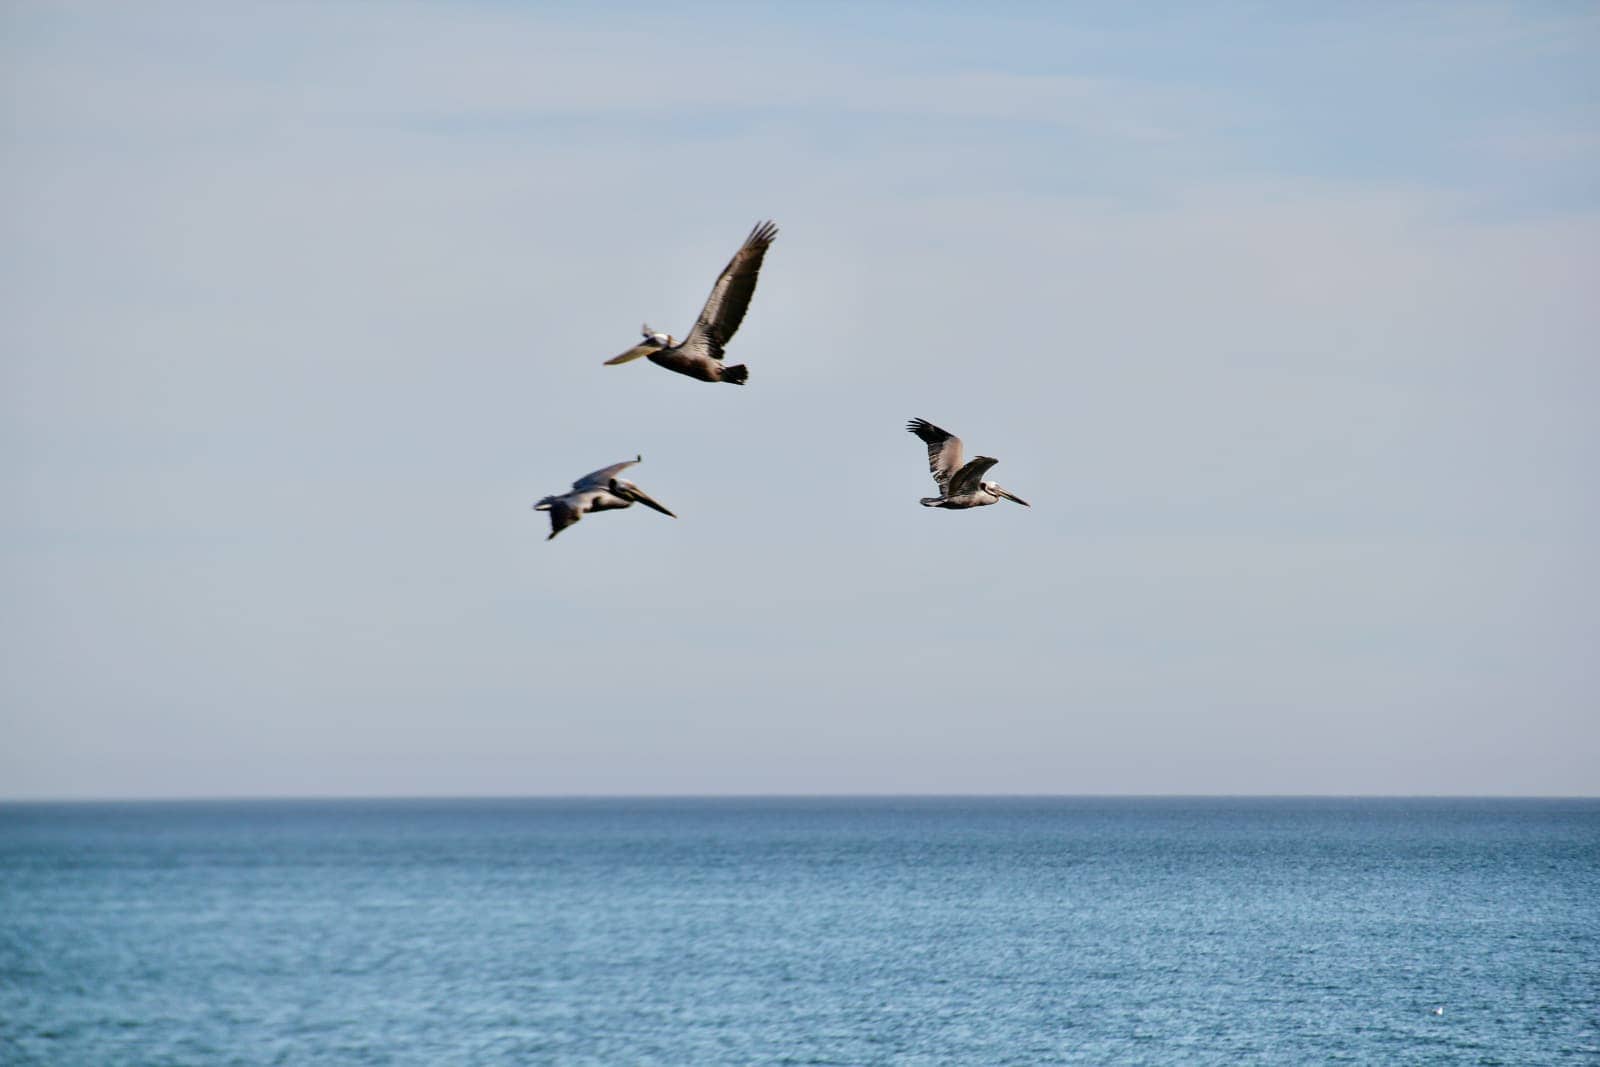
(654, 341)
(995, 489)
(626, 490)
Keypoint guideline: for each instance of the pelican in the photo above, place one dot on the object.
(599, 490)
(700, 354)
(959, 486)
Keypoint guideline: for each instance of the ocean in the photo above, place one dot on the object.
(801, 931)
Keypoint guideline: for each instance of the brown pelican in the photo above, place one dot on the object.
(959, 486)
(699, 355)
(600, 490)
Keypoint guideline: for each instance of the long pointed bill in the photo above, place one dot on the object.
(631, 354)
(1012, 496)
(643, 498)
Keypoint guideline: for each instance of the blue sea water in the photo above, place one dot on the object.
(837, 931)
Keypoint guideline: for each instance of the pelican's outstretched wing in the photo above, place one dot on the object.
(601, 478)
(730, 297)
(562, 515)
(944, 451)
(969, 477)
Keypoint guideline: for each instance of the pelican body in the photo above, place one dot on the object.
(599, 490)
(699, 355)
(960, 485)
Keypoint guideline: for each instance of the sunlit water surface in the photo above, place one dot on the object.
(842, 931)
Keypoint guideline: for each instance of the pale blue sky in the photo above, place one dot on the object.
(1282, 317)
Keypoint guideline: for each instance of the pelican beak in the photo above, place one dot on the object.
(1013, 497)
(631, 354)
(642, 497)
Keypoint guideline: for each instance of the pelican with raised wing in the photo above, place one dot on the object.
(699, 355)
(960, 485)
(599, 490)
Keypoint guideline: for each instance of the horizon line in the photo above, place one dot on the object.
(315, 798)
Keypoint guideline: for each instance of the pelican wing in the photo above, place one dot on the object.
(562, 515)
(601, 478)
(730, 297)
(969, 477)
(944, 451)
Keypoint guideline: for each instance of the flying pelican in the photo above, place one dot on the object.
(959, 486)
(600, 490)
(700, 354)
